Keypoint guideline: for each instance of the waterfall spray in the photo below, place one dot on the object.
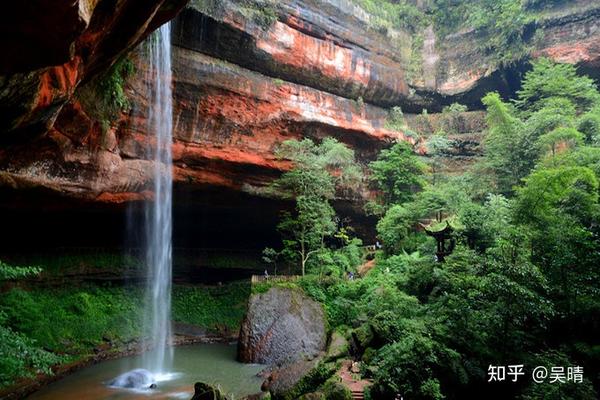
(159, 211)
(158, 221)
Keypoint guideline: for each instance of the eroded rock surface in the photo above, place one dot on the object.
(51, 47)
(244, 81)
(281, 326)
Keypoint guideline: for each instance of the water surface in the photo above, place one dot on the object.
(211, 363)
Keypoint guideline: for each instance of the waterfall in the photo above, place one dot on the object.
(159, 212)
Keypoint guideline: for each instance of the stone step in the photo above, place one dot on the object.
(357, 395)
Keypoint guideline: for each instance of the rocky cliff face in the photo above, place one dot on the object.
(50, 47)
(247, 75)
(460, 71)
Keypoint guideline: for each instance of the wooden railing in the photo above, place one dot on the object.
(274, 278)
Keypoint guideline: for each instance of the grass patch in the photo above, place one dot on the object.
(74, 320)
(50, 326)
(214, 308)
(64, 263)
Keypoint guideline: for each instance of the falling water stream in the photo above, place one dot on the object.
(159, 212)
(157, 362)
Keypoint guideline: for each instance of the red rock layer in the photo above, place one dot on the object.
(51, 46)
(241, 88)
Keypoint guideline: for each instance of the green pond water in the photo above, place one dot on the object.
(211, 363)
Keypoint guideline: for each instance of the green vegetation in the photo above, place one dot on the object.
(520, 281)
(262, 12)
(319, 171)
(501, 25)
(385, 15)
(397, 174)
(549, 81)
(218, 308)
(552, 104)
(20, 357)
(104, 98)
(415, 65)
(72, 262)
(112, 84)
(395, 121)
(506, 29)
(74, 319)
(46, 326)
(11, 272)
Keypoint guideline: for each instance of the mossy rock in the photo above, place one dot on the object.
(338, 347)
(203, 391)
(363, 336)
(281, 326)
(368, 355)
(314, 378)
(336, 391)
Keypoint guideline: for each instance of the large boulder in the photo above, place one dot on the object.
(296, 379)
(202, 391)
(281, 325)
(282, 382)
(136, 379)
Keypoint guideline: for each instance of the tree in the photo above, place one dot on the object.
(565, 137)
(270, 256)
(452, 118)
(589, 125)
(397, 173)
(319, 170)
(559, 206)
(504, 143)
(548, 79)
(306, 230)
(546, 118)
(436, 145)
(395, 228)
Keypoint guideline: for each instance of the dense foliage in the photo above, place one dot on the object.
(319, 172)
(522, 283)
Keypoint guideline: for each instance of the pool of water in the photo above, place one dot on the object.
(211, 363)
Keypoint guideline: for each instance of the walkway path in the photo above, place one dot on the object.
(356, 386)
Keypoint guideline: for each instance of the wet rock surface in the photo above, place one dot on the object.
(136, 379)
(203, 391)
